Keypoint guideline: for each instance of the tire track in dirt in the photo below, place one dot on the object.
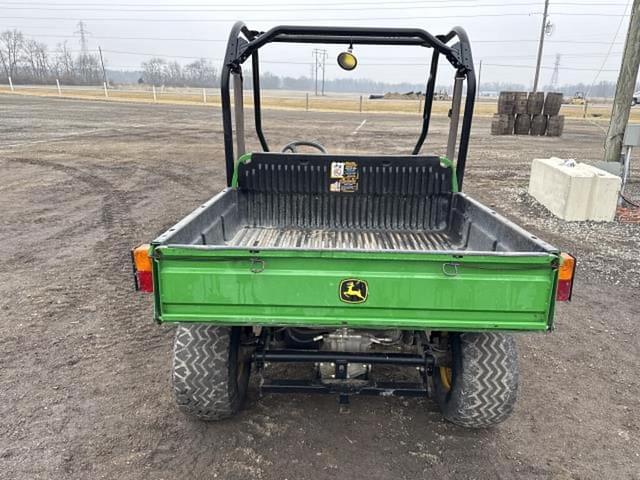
(115, 216)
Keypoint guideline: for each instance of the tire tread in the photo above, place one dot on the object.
(201, 372)
(487, 392)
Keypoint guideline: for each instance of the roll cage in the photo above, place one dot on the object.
(245, 43)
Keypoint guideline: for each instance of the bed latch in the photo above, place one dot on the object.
(450, 269)
(257, 265)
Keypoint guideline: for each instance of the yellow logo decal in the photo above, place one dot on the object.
(353, 290)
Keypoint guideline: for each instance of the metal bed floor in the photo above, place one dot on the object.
(262, 237)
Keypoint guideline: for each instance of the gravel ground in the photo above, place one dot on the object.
(84, 377)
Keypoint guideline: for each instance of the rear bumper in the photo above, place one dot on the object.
(456, 291)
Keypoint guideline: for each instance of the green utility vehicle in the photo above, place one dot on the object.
(350, 262)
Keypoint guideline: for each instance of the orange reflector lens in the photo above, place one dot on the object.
(142, 268)
(565, 277)
(141, 259)
(567, 267)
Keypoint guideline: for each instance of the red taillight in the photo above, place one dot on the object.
(565, 277)
(142, 268)
(144, 281)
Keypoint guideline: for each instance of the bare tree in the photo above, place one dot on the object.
(201, 73)
(173, 74)
(63, 62)
(11, 42)
(87, 68)
(35, 56)
(153, 71)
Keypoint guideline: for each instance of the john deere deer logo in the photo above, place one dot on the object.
(353, 290)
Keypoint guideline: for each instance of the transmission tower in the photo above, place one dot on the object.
(320, 60)
(556, 71)
(84, 33)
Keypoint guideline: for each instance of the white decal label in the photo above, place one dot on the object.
(337, 169)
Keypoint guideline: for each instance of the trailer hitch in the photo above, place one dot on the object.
(340, 383)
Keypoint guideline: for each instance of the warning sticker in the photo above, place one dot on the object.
(346, 175)
(337, 169)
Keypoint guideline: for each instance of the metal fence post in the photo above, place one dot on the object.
(360, 103)
(153, 88)
(59, 89)
(106, 92)
(306, 105)
(204, 95)
(11, 85)
(420, 104)
(584, 112)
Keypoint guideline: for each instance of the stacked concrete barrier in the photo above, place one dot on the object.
(535, 103)
(555, 125)
(523, 124)
(532, 113)
(538, 124)
(520, 103)
(502, 124)
(507, 103)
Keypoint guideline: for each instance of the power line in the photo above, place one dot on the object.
(299, 8)
(229, 20)
(155, 39)
(548, 68)
(360, 64)
(595, 78)
(224, 40)
(366, 4)
(147, 54)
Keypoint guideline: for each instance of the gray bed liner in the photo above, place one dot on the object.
(454, 222)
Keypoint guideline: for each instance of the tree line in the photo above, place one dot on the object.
(25, 60)
(199, 73)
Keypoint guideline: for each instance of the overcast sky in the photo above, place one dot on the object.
(503, 33)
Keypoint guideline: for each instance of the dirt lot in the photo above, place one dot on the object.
(84, 378)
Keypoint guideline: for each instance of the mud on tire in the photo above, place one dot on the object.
(484, 380)
(209, 377)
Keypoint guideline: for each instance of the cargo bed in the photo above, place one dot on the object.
(274, 248)
(407, 204)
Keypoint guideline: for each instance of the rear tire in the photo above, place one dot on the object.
(210, 378)
(481, 388)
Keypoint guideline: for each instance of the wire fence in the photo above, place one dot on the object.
(411, 103)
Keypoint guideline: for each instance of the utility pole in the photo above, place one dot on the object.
(624, 88)
(104, 72)
(540, 45)
(478, 82)
(84, 45)
(320, 58)
(315, 71)
(324, 64)
(556, 71)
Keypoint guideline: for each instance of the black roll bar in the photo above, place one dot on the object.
(244, 43)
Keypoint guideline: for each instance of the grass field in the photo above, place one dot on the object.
(288, 100)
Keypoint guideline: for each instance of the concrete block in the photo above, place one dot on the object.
(574, 191)
(614, 168)
(603, 200)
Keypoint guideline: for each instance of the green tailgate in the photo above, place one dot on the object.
(404, 290)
